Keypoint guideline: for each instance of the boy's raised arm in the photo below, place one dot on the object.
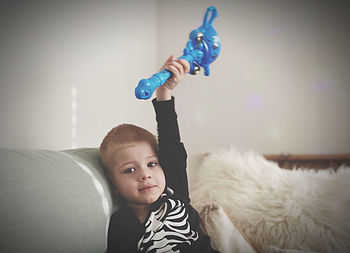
(172, 153)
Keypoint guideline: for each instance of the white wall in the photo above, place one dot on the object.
(68, 70)
(280, 84)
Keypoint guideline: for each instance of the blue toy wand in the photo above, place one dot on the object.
(202, 48)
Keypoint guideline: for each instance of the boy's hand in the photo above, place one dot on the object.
(178, 69)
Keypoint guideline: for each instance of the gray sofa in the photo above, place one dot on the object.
(53, 201)
(61, 201)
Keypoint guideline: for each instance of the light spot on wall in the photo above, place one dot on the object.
(278, 30)
(255, 102)
(274, 132)
(74, 116)
(199, 117)
(324, 86)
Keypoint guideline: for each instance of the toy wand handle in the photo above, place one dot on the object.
(146, 87)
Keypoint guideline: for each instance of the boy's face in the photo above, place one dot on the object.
(136, 174)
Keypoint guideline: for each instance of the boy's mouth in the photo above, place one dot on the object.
(147, 188)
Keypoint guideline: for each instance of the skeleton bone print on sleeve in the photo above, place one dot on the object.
(166, 228)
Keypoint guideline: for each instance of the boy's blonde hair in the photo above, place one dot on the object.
(122, 135)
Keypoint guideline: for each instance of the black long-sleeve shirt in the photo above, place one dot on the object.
(126, 231)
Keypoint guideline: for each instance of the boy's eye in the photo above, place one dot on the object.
(152, 164)
(130, 170)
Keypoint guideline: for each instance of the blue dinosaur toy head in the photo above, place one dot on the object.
(206, 39)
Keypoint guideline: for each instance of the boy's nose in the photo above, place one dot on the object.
(144, 175)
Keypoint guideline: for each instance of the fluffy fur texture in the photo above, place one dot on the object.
(286, 209)
(226, 237)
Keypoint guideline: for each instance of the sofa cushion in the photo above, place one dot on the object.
(53, 202)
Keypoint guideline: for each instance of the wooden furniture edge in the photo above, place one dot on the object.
(322, 157)
(245, 236)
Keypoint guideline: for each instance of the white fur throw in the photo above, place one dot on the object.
(226, 237)
(277, 208)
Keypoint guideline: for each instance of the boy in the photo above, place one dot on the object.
(151, 179)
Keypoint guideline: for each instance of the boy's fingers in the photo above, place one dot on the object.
(179, 67)
(173, 70)
(171, 59)
(185, 64)
(168, 61)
